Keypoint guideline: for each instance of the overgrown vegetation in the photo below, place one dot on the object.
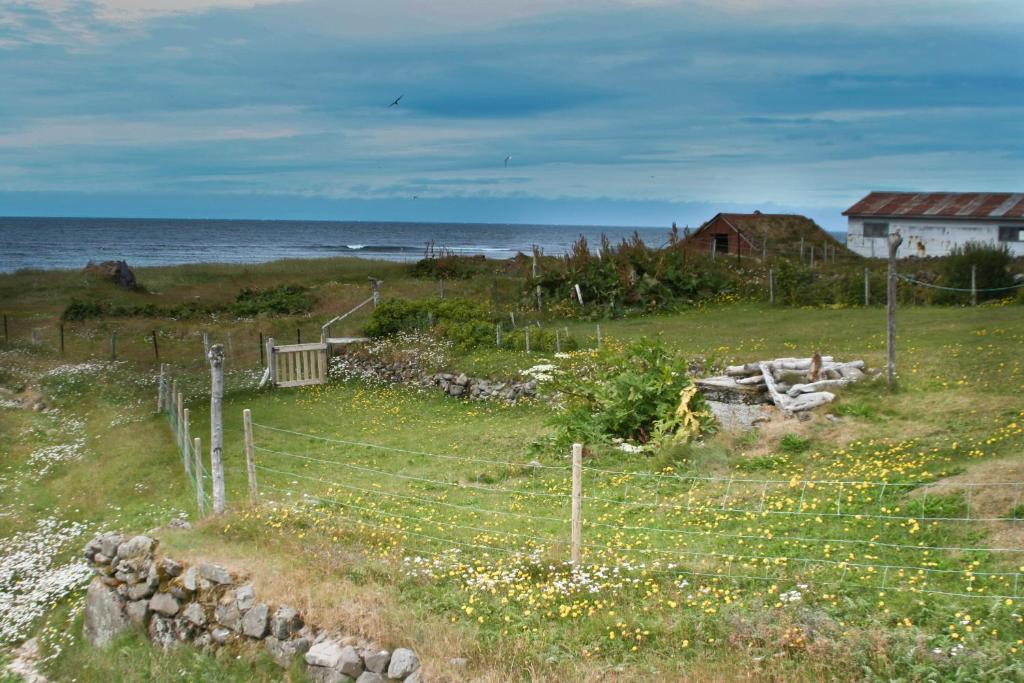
(250, 302)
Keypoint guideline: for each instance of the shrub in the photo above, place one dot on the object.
(400, 315)
(282, 300)
(992, 265)
(640, 392)
(83, 310)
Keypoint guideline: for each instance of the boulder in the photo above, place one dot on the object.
(139, 591)
(324, 674)
(169, 567)
(350, 663)
(254, 623)
(190, 579)
(370, 677)
(284, 651)
(109, 543)
(285, 622)
(164, 603)
(138, 611)
(326, 653)
(195, 614)
(117, 272)
(136, 547)
(377, 662)
(215, 573)
(245, 597)
(403, 662)
(104, 617)
(229, 616)
(220, 635)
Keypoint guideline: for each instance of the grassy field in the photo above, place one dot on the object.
(878, 543)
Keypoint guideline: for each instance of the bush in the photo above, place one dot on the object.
(640, 393)
(282, 300)
(993, 270)
(401, 315)
(541, 339)
(83, 310)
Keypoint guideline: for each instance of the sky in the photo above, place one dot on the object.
(614, 112)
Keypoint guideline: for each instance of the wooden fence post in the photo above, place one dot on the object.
(261, 350)
(895, 239)
(801, 250)
(577, 502)
(197, 453)
(271, 362)
(497, 335)
(160, 390)
(579, 294)
(250, 454)
(771, 285)
(298, 335)
(527, 328)
(156, 348)
(113, 345)
(62, 339)
(206, 344)
(6, 337)
(867, 288)
(512, 317)
(974, 285)
(171, 405)
(599, 336)
(558, 341)
(216, 357)
(179, 402)
(540, 303)
(186, 440)
(440, 281)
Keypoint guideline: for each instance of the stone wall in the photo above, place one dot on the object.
(210, 607)
(455, 385)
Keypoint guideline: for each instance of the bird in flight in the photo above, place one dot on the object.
(397, 100)
(507, 159)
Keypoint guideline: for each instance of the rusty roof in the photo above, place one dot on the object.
(987, 205)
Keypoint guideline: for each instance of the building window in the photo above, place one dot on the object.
(876, 229)
(1010, 233)
(722, 244)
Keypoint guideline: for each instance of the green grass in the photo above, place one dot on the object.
(341, 517)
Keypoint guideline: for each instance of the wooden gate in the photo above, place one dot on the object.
(296, 365)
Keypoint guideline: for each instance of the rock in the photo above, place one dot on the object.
(215, 573)
(195, 614)
(138, 611)
(245, 596)
(109, 543)
(139, 591)
(370, 677)
(403, 662)
(100, 558)
(104, 618)
(456, 390)
(137, 546)
(285, 622)
(254, 623)
(326, 653)
(220, 635)
(350, 663)
(415, 677)
(164, 603)
(284, 651)
(161, 631)
(117, 272)
(184, 629)
(179, 523)
(377, 662)
(169, 567)
(203, 640)
(458, 662)
(229, 616)
(190, 579)
(462, 380)
(324, 674)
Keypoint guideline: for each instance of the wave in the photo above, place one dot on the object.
(379, 248)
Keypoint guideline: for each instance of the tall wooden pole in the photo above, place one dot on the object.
(895, 240)
(156, 348)
(62, 339)
(577, 502)
(867, 288)
(113, 345)
(261, 349)
(250, 454)
(161, 389)
(771, 285)
(187, 441)
(271, 363)
(216, 357)
(974, 285)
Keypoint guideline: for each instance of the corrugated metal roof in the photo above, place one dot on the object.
(991, 205)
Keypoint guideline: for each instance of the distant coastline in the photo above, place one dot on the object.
(62, 243)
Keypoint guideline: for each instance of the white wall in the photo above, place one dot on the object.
(927, 237)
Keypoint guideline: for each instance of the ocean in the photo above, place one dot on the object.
(47, 243)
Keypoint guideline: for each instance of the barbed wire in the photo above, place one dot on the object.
(967, 290)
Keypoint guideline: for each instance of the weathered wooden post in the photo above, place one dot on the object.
(375, 285)
(161, 389)
(250, 454)
(540, 303)
(812, 256)
(895, 240)
(512, 317)
(558, 341)
(179, 402)
(113, 345)
(35, 336)
(801, 250)
(206, 344)
(197, 470)
(974, 285)
(186, 441)
(497, 335)
(6, 336)
(298, 335)
(599, 336)
(579, 294)
(217, 426)
(771, 285)
(261, 350)
(271, 363)
(440, 282)
(62, 339)
(577, 502)
(170, 405)
(527, 329)
(867, 288)
(156, 347)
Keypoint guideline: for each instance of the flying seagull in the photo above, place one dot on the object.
(397, 100)
(507, 160)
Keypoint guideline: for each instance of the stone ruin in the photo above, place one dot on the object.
(210, 607)
(793, 385)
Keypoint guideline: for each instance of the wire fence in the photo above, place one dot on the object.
(882, 535)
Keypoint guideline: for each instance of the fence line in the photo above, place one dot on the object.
(966, 290)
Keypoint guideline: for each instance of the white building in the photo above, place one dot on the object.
(933, 223)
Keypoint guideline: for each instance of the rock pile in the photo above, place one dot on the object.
(479, 388)
(210, 607)
(792, 384)
(117, 272)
